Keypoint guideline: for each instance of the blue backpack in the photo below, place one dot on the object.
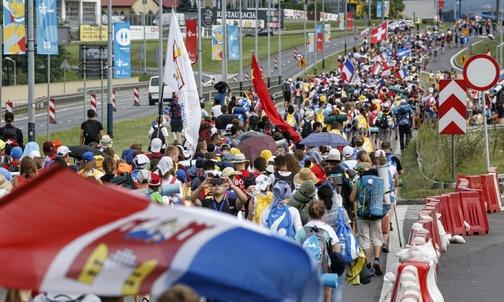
(370, 198)
(315, 244)
(348, 243)
(280, 220)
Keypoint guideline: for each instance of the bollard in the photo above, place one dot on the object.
(52, 112)
(114, 104)
(8, 107)
(136, 101)
(92, 102)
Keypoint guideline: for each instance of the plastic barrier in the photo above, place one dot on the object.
(495, 173)
(430, 211)
(461, 180)
(455, 207)
(446, 214)
(490, 192)
(426, 279)
(474, 211)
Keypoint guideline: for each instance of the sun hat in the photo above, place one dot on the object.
(156, 144)
(5, 184)
(309, 113)
(238, 158)
(270, 169)
(262, 182)
(165, 164)
(305, 174)
(106, 140)
(305, 193)
(228, 172)
(62, 151)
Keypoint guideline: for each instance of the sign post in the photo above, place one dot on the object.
(482, 81)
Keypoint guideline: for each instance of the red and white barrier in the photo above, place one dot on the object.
(295, 54)
(52, 111)
(8, 107)
(114, 101)
(247, 77)
(212, 81)
(92, 102)
(275, 64)
(136, 98)
(235, 79)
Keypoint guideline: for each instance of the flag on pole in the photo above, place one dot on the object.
(364, 33)
(379, 34)
(403, 52)
(377, 69)
(402, 73)
(347, 70)
(267, 103)
(179, 76)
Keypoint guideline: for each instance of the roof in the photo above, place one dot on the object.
(116, 3)
(170, 3)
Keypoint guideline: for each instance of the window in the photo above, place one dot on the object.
(89, 13)
(72, 12)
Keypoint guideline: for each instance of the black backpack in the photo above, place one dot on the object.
(176, 111)
(220, 86)
(384, 122)
(91, 131)
(158, 133)
(307, 128)
(288, 179)
(10, 137)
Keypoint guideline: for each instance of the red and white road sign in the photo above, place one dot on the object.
(452, 106)
(481, 72)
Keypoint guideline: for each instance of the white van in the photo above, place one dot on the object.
(154, 91)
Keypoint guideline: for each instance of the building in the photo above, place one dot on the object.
(77, 12)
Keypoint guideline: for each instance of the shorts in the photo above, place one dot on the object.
(384, 134)
(287, 97)
(298, 100)
(369, 231)
(176, 125)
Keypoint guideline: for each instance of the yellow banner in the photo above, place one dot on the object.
(327, 33)
(93, 33)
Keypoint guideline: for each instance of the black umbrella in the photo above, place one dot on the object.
(77, 151)
(243, 136)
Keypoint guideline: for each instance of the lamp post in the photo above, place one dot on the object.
(15, 68)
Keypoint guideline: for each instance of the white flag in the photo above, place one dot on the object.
(179, 76)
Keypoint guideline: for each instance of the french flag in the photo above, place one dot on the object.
(501, 75)
(347, 70)
(402, 73)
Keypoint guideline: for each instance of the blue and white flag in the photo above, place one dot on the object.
(402, 73)
(234, 42)
(122, 55)
(47, 27)
(403, 52)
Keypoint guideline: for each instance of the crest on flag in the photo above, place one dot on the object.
(379, 34)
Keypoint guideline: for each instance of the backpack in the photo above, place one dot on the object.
(348, 243)
(175, 110)
(288, 179)
(261, 202)
(319, 117)
(373, 118)
(13, 167)
(220, 86)
(290, 118)
(205, 132)
(307, 128)
(370, 198)
(280, 220)
(384, 120)
(403, 115)
(499, 102)
(9, 136)
(248, 180)
(158, 133)
(286, 87)
(91, 131)
(315, 244)
(391, 162)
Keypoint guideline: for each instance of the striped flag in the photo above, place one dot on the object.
(377, 69)
(402, 73)
(347, 70)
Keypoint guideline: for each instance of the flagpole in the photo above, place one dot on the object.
(346, 22)
(305, 17)
(268, 27)
(224, 42)
(323, 35)
(160, 63)
(200, 58)
(110, 71)
(315, 38)
(241, 46)
(279, 43)
(256, 26)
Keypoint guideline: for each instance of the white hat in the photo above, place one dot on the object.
(165, 164)
(156, 144)
(334, 155)
(143, 176)
(380, 152)
(228, 172)
(62, 151)
(348, 151)
(309, 113)
(271, 159)
(262, 182)
(386, 105)
(238, 158)
(305, 174)
(106, 140)
(35, 153)
(140, 160)
(270, 169)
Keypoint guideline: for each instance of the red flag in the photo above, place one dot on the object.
(320, 42)
(350, 21)
(192, 40)
(379, 34)
(267, 103)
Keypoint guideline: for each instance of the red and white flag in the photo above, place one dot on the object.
(377, 69)
(379, 34)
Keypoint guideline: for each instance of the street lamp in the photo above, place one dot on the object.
(15, 68)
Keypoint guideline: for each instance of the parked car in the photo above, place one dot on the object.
(154, 91)
(401, 24)
(261, 32)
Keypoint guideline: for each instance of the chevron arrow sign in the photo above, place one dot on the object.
(452, 106)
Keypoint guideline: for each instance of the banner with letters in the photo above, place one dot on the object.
(217, 36)
(327, 33)
(310, 44)
(47, 27)
(233, 43)
(379, 9)
(192, 39)
(14, 27)
(122, 54)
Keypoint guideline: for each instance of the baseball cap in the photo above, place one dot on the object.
(143, 176)
(156, 144)
(140, 160)
(34, 154)
(9, 116)
(47, 146)
(88, 156)
(334, 155)
(16, 153)
(63, 150)
(348, 151)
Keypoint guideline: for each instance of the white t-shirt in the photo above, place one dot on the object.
(296, 218)
(216, 110)
(163, 130)
(321, 225)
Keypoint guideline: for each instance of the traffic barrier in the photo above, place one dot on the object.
(92, 102)
(490, 192)
(425, 277)
(495, 173)
(446, 214)
(8, 107)
(474, 210)
(114, 101)
(461, 181)
(275, 64)
(136, 101)
(455, 207)
(52, 112)
(247, 77)
(429, 213)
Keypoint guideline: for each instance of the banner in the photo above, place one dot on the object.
(350, 21)
(217, 42)
(320, 38)
(89, 33)
(137, 32)
(122, 55)
(192, 39)
(47, 27)
(179, 76)
(386, 8)
(310, 44)
(14, 27)
(379, 9)
(327, 33)
(233, 43)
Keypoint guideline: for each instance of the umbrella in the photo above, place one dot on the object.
(253, 146)
(396, 89)
(127, 246)
(324, 139)
(77, 151)
(243, 136)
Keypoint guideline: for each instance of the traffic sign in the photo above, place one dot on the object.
(452, 106)
(463, 59)
(301, 62)
(475, 78)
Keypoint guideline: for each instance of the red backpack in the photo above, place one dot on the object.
(205, 132)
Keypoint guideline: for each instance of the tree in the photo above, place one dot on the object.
(396, 8)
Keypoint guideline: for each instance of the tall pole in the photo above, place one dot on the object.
(323, 35)
(31, 74)
(268, 27)
(102, 56)
(110, 117)
(369, 12)
(279, 42)
(144, 2)
(1, 67)
(485, 128)
(304, 31)
(48, 96)
(241, 47)
(256, 28)
(224, 41)
(200, 50)
(345, 23)
(315, 38)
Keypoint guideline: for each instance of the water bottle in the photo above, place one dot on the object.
(342, 244)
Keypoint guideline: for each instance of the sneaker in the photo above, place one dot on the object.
(384, 248)
(377, 269)
(391, 227)
(371, 271)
